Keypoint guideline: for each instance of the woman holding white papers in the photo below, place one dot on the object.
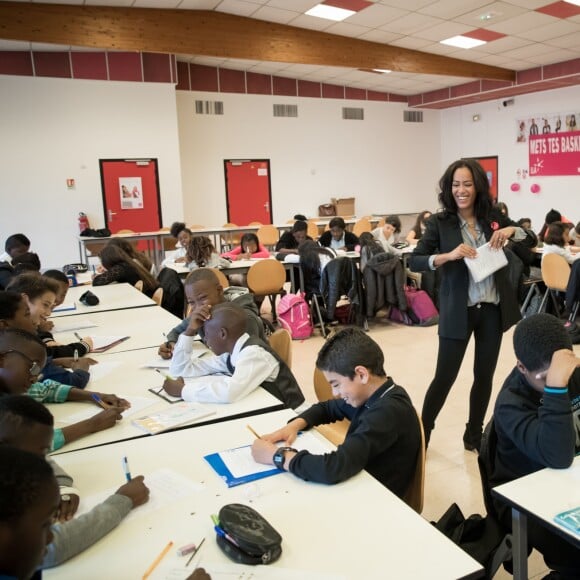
(486, 308)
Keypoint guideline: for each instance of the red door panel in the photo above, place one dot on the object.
(131, 195)
(248, 192)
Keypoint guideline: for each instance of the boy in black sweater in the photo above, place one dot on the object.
(537, 422)
(384, 436)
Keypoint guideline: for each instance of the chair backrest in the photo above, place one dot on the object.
(380, 223)
(555, 272)
(361, 226)
(312, 229)
(334, 432)
(266, 277)
(164, 229)
(95, 247)
(281, 342)
(230, 239)
(322, 387)
(224, 282)
(196, 227)
(158, 296)
(268, 235)
(416, 491)
(139, 285)
(125, 232)
(173, 292)
(255, 224)
(169, 243)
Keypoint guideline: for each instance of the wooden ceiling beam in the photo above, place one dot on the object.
(206, 33)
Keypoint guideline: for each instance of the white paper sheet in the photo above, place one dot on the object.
(71, 323)
(486, 263)
(102, 369)
(165, 486)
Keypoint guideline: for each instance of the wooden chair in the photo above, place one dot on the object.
(229, 239)
(361, 226)
(169, 243)
(281, 343)
(139, 285)
(312, 230)
(334, 432)
(125, 232)
(196, 227)
(157, 296)
(267, 278)
(555, 273)
(164, 229)
(94, 248)
(224, 282)
(255, 224)
(268, 236)
(380, 223)
(415, 493)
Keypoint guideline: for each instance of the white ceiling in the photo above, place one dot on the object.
(532, 38)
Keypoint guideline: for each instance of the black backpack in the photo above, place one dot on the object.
(173, 293)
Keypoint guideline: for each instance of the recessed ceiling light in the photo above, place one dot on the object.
(489, 15)
(382, 70)
(463, 42)
(575, 2)
(330, 12)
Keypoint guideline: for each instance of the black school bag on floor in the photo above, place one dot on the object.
(250, 537)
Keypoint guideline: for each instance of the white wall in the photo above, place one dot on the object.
(388, 165)
(54, 129)
(495, 134)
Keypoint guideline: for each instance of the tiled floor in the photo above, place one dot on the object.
(410, 353)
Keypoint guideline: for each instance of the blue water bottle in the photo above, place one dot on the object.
(72, 278)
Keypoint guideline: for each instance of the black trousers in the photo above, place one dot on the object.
(484, 322)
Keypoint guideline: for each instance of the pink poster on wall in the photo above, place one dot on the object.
(555, 154)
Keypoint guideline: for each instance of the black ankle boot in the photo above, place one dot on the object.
(472, 438)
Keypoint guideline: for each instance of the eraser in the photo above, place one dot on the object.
(187, 549)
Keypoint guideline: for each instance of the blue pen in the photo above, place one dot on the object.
(99, 401)
(126, 469)
(221, 532)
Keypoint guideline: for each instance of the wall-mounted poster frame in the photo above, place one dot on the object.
(489, 165)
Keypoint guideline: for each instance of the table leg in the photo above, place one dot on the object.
(520, 544)
(292, 280)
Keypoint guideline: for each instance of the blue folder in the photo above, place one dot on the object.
(221, 469)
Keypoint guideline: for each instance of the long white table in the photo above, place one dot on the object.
(353, 530)
(111, 297)
(144, 326)
(123, 375)
(541, 495)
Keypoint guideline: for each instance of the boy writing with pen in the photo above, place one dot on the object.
(28, 426)
(22, 357)
(384, 437)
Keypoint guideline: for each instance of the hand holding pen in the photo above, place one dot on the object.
(108, 401)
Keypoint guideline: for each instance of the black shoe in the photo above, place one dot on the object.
(472, 438)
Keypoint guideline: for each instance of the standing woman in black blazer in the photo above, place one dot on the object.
(485, 309)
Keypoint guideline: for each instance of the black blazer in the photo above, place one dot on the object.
(443, 235)
(350, 240)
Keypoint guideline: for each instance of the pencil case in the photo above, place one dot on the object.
(246, 537)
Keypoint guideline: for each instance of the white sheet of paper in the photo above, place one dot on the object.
(157, 363)
(71, 323)
(241, 463)
(102, 369)
(486, 263)
(137, 406)
(165, 486)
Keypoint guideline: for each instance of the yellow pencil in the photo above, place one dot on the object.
(157, 560)
(253, 432)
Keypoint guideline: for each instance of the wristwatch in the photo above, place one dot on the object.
(280, 456)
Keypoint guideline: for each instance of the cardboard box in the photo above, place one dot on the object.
(344, 206)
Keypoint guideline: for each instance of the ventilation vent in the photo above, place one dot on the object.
(285, 110)
(413, 116)
(209, 107)
(353, 113)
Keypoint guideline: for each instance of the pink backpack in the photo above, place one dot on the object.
(421, 305)
(294, 315)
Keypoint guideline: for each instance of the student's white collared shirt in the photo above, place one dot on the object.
(209, 380)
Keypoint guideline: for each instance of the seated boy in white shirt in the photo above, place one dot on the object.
(239, 365)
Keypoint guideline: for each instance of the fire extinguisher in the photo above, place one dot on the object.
(83, 222)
